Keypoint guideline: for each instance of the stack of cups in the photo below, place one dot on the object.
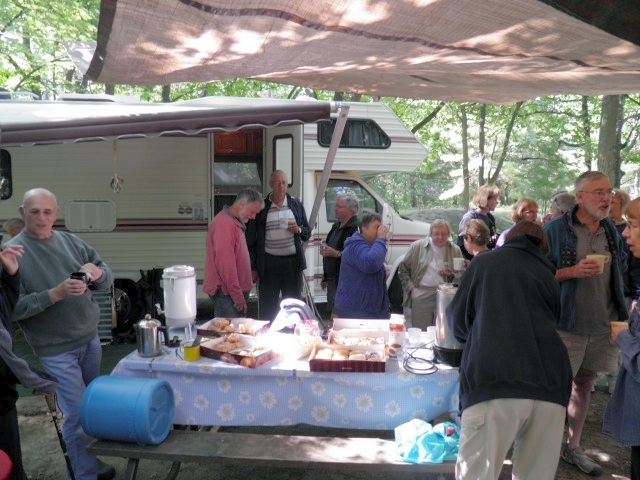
(414, 336)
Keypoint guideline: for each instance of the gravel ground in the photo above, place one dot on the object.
(43, 458)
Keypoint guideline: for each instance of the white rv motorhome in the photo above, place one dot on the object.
(178, 175)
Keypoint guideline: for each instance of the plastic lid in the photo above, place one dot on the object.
(179, 271)
(448, 288)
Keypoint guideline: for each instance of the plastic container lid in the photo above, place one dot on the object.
(178, 271)
(448, 288)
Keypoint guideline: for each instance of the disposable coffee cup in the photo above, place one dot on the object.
(458, 264)
(284, 223)
(414, 335)
(600, 259)
(616, 328)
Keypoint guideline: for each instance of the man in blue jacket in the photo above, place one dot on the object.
(590, 298)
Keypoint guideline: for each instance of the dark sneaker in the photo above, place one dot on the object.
(105, 471)
(580, 459)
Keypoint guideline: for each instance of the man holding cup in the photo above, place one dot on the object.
(346, 210)
(275, 240)
(59, 316)
(591, 295)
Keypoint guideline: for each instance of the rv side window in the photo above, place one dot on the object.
(335, 188)
(6, 184)
(357, 134)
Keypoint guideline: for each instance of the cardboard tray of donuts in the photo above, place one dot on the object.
(220, 326)
(238, 349)
(343, 358)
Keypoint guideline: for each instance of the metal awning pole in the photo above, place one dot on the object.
(343, 113)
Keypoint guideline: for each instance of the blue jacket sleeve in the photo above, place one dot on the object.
(629, 353)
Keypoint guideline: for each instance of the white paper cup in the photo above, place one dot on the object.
(600, 259)
(458, 264)
(414, 335)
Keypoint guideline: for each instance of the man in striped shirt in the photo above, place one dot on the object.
(275, 243)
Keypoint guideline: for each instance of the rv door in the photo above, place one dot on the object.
(283, 151)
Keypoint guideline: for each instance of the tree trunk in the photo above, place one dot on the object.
(166, 93)
(609, 140)
(505, 145)
(481, 143)
(465, 157)
(586, 131)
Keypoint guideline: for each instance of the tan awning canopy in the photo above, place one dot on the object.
(491, 51)
(37, 122)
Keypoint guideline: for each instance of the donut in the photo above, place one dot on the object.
(224, 347)
(233, 337)
(340, 355)
(221, 323)
(323, 355)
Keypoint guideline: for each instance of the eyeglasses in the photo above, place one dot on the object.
(530, 212)
(600, 193)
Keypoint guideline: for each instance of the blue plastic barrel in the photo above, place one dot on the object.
(128, 409)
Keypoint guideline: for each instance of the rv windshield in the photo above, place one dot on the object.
(335, 188)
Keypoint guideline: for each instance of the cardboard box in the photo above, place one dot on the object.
(241, 355)
(321, 365)
(251, 327)
(361, 323)
(288, 346)
(358, 337)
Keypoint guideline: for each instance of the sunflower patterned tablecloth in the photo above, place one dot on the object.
(284, 392)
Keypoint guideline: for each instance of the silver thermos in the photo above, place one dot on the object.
(148, 337)
(446, 349)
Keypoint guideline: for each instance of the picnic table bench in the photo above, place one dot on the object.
(281, 451)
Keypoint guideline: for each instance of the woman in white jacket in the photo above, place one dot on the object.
(422, 270)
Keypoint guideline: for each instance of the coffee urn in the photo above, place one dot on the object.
(446, 349)
(179, 286)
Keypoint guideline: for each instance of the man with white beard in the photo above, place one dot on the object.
(591, 297)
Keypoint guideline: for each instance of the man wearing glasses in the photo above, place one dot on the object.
(591, 297)
(275, 240)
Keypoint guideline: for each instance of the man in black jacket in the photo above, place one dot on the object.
(346, 211)
(275, 240)
(515, 374)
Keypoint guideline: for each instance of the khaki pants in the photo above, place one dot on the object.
(423, 307)
(489, 428)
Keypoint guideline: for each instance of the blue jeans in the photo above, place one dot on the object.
(75, 370)
(223, 305)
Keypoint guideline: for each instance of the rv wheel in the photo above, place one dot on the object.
(124, 293)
